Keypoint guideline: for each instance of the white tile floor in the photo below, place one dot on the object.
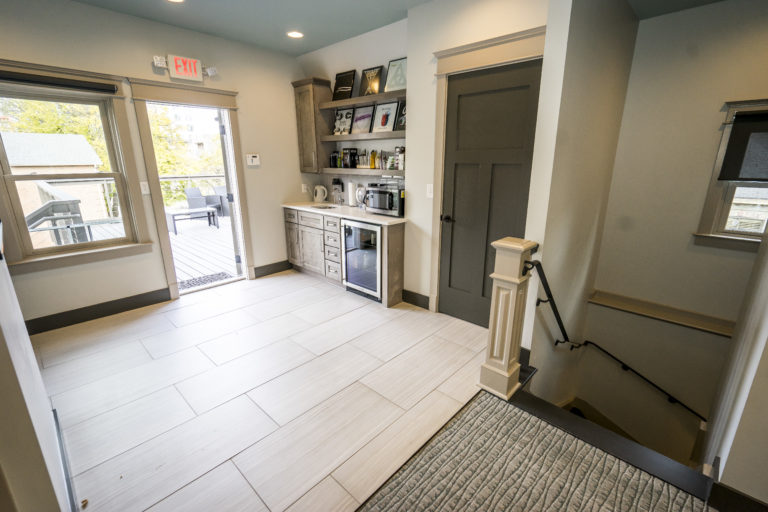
(283, 393)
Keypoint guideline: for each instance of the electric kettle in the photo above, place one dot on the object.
(320, 193)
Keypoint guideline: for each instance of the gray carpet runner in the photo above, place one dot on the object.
(493, 456)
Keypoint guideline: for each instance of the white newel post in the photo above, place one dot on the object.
(501, 371)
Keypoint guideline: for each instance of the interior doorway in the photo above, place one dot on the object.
(193, 149)
(490, 126)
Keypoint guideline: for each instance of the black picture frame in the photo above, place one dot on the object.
(400, 118)
(360, 125)
(370, 81)
(397, 75)
(343, 121)
(384, 117)
(345, 84)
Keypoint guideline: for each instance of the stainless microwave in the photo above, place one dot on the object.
(385, 199)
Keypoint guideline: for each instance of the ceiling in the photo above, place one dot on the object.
(265, 22)
(650, 8)
(323, 22)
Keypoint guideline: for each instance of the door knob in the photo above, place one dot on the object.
(446, 218)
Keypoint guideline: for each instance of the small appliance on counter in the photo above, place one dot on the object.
(337, 191)
(386, 198)
(321, 193)
(351, 194)
(360, 195)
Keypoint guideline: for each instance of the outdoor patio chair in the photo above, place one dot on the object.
(194, 198)
(219, 200)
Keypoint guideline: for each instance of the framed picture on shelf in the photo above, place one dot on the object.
(370, 79)
(400, 119)
(384, 119)
(343, 122)
(361, 121)
(345, 83)
(396, 75)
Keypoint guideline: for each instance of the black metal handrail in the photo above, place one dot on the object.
(624, 366)
(535, 264)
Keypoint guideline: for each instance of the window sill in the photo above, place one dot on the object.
(734, 242)
(54, 261)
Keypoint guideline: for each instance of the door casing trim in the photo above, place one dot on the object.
(516, 48)
(156, 193)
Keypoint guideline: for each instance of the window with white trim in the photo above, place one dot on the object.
(60, 165)
(737, 205)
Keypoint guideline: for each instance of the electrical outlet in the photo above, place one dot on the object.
(430, 191)
(304, 188)
(253, 160)
(144, 188)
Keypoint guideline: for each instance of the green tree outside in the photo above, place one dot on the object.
(174, 154)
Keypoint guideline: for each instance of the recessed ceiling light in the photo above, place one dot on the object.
(176, 1)
(294, 34)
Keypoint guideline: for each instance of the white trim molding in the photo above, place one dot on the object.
(498, 51)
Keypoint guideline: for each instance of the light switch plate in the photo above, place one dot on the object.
(144, 188)
(253, 160)
(430, 191)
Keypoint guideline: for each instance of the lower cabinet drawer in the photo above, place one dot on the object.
(332, 239)
(333, 270)
(333, 253)
(312, 220)
(291, 215)
(331, 223)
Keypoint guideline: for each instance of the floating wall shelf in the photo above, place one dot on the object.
(364, 101)
(399, 134)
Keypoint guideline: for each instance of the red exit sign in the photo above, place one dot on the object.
(185, 68)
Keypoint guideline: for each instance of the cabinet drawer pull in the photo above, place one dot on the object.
(333, 271)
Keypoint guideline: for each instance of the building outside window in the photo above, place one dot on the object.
(737, 204)
(59, 166)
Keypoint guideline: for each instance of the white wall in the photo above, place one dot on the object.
(685, 66)
(440, 25)
(73, 35)
(29, 452)
(737, 433)
(598, 56)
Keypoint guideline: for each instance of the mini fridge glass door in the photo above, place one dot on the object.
(361, 257)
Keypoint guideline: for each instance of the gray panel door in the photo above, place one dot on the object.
(490, 124)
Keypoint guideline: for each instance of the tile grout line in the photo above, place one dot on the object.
(330, 475)
(232, 461)
(195, 415)
(254, 402)
(134, 400)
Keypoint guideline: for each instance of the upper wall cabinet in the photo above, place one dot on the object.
(312, 122)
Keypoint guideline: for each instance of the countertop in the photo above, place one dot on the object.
(346, 212)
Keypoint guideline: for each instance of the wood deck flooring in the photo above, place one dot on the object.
(201, 250)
